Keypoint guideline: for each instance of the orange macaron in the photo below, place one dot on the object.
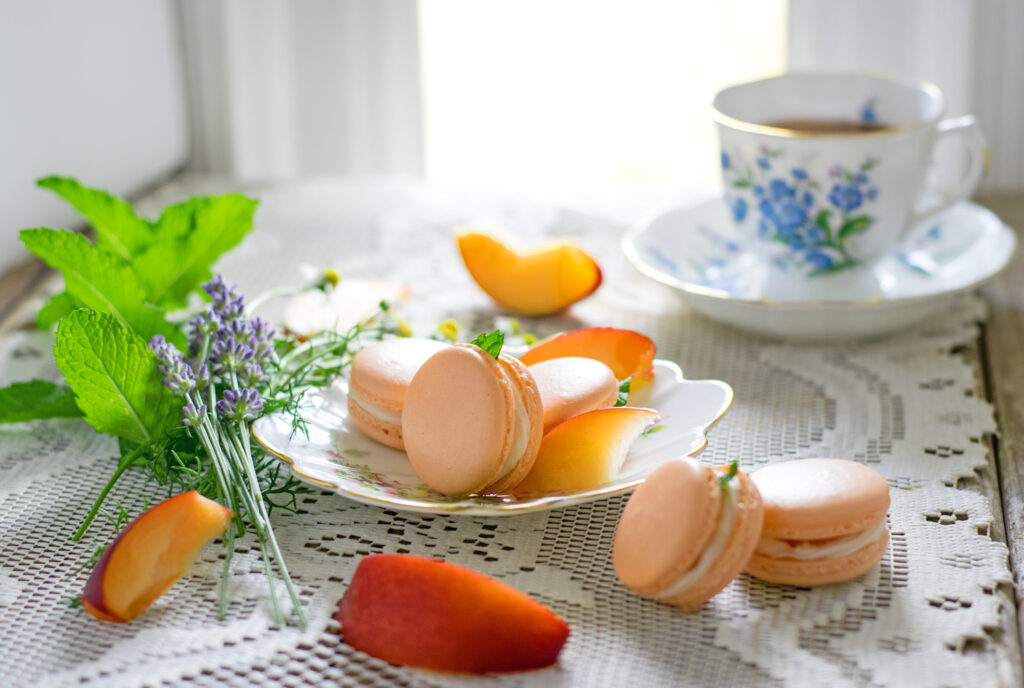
(686, 532)
(573, 385)
(472, 424)
(378, 381)
(824, 521)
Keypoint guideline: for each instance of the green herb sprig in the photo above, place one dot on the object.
(491, 342)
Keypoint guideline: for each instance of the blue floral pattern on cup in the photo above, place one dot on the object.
(813, 219)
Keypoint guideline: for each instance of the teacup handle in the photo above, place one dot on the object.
(967, 130)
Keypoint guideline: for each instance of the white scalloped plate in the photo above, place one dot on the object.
(334, 454)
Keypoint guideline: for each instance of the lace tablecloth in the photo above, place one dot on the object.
(937, 611)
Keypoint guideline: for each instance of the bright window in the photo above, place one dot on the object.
(552, 97)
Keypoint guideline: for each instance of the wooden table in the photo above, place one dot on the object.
(998, 355)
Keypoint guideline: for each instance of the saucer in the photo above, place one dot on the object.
(694, 250)
(325, 449)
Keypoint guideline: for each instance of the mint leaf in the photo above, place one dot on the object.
(100, 280)
(114, 377)
(491, 342)
(36, 399)
(117, 227)
(723, 480)
(54, 309)
(190, 238)
(623, 397)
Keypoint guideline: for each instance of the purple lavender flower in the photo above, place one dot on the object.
(203, 377)
(252, 375)
(193, 416)
(227, 303)
(178, 374)
(241, 405)
(229, 356)
(205, 324)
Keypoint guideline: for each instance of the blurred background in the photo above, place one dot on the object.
(559, 100)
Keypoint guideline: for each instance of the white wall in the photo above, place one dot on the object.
(88, 89)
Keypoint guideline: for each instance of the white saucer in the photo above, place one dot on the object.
(694, 250)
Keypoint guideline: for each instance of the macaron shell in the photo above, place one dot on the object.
(458, 420)
(573, 385)
(389, 434)
(521, 378)
(819, 571)
(381, 372)
(665, 526)
(811, 499)
(740, 546)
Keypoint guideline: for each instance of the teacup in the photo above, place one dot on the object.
(825, 173)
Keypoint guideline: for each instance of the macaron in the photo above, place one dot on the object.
(378, 380)
(686, 532)
(824, 521)
(472, 424)
(573, 385)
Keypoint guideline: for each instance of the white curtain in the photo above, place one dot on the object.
(281, 89)
(972, 49)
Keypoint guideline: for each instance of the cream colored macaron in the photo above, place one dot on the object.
(573, 385)
(686, 532)
(378, 381)
(824, 521)
(472, 424)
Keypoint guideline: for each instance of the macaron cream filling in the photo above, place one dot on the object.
(715, 547)
(387, 417)
(520, 436)
(830, 548)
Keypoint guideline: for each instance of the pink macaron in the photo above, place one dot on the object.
(572, 385)
(378, 381)
(472, 424)
(824, 521)
(686, 532)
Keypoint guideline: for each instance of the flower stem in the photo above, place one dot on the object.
(121, 466)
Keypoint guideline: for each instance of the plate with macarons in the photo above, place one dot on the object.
(471, 429)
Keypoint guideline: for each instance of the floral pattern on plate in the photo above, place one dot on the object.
(334, 454)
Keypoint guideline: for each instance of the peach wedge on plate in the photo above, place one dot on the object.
(587, 450)
(150, 554)
(546, 280)
(627, 353)
(431, 614)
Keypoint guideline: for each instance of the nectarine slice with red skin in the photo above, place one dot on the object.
(420, 612)
(543, 281)
(627, 353)
(150, 554)
(587, 450)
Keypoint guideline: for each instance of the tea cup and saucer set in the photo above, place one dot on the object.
(831, 225)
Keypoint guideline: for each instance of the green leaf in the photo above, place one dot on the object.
(741, 184)
(36, 399)
(723, 480)
(100, 280)
(821, 219)
(855, 225)
(117, 227)
(623, 397)
(56, 308)
(114, 377)
(190, 238)
(491, 342)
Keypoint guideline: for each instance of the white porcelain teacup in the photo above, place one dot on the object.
(825, 173)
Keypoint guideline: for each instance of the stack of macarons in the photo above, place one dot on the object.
(470, 423)
(687, 531)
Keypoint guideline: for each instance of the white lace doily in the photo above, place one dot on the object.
(938, 610)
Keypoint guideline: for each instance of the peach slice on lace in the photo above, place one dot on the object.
(627, 353)
(587, 450)
(420, 612)
(536, 282)
(150, 554)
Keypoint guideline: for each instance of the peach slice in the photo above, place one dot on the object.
(537, 282)
(150, 554)
(587, 450)
(626, 352)
(420, 612)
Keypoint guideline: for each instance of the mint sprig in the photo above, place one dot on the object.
(723, 480)
(623, 397)
(491, 342)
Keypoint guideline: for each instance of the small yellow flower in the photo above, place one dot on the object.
(332, 276)
(402, 328)
(449, 329)
(529, 339)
